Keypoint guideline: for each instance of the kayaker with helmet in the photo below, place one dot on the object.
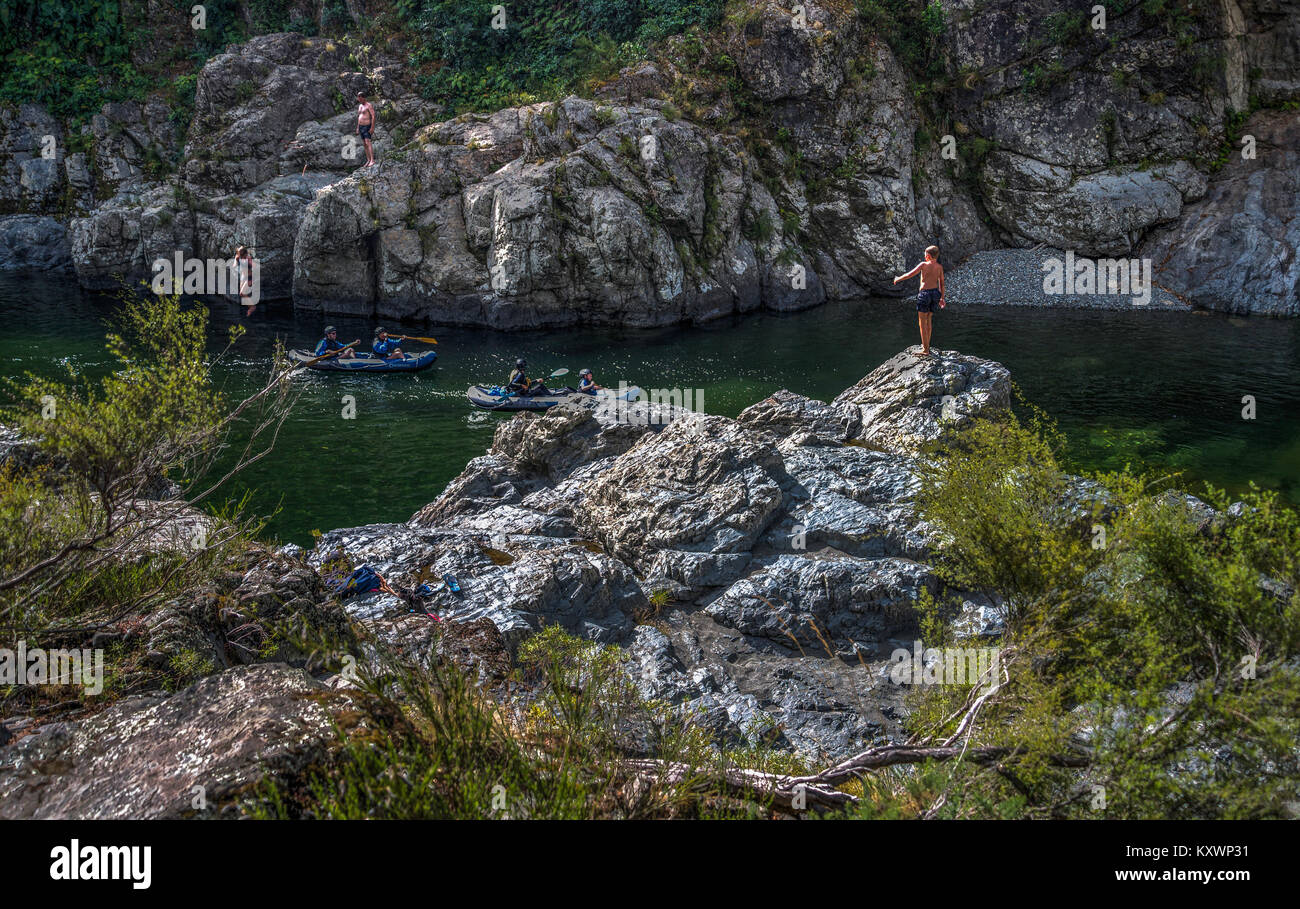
(385, 346)
(587, 383)
(331, 343)
(520, 384)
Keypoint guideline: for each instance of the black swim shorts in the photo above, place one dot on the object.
(365, 131)
(927, 300)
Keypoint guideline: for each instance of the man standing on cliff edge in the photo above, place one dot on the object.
(932, 292)
(365, 124)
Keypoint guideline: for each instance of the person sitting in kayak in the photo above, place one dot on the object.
(521, 385)
(331, 343)
(385, 346)
(587, 383)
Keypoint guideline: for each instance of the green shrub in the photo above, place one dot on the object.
(547, 49)
(760, 229)
(1065, 28)
(75, 535)
(435, 746)
(912, 28)
(1145, 652)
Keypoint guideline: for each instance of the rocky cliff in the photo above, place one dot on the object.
(758, 572)
(787, 157)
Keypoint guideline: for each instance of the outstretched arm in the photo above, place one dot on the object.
(910, 274)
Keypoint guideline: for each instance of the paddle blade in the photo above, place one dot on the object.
(558, 373)
(332, 353)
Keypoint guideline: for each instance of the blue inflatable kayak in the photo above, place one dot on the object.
(494, 397)
(365, 362)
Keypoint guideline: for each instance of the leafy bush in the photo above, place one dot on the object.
(546, 49)
(85, 537)
(912, 28)
(73, 56)
(1150, 650)
(1064, 28)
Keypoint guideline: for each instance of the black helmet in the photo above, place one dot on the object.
(520, 363)
(330, 329)
(379, 331)
(585, 372)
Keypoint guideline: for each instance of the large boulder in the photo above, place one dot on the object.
(758, 572)
(194, 753)
(33, 242)
(786, 414)
(843, 603)
(905, 402)
(520, 581)
(688, 503)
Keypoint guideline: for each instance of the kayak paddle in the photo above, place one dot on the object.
(515, 394)
(332, 353)
(414, 338)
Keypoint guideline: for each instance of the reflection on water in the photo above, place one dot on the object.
(1162, 390)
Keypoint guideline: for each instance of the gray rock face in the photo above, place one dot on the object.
(787, 414)
(550, 214)
(758, 572)
(32, 148)
(516, 580)
(851, 605)
(144, 757)
(48, 170)
(687, 504)
(274, 123)
(804, 169)
(1100, 213)
(617, 211)
(1101, 138)
(35, 242)
(1235, 249)
(851, 499)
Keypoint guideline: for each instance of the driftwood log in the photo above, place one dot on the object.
(793, 794)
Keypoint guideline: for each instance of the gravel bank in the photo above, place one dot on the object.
(1014, 277)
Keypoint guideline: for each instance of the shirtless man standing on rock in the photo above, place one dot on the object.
(366, 123)
(932, 292)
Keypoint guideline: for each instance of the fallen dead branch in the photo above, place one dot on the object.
(795, 793)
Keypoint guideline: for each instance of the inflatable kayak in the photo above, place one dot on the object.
(494, 397)
(365, 362)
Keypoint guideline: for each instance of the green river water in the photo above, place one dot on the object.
(1158, 389)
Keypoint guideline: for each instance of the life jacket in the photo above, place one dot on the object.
(364, 580)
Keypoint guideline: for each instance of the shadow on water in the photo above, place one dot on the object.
(1160, 390)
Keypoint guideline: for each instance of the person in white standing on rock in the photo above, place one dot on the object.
(244, 266)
